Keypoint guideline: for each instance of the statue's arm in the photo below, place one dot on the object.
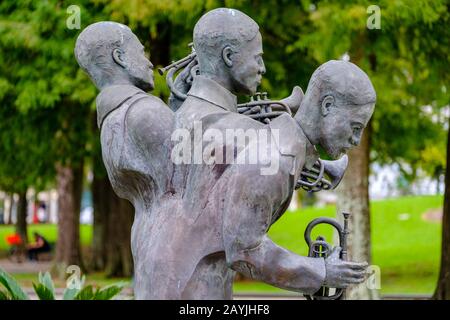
(250, 251)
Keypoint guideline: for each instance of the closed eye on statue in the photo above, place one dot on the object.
(357, 127)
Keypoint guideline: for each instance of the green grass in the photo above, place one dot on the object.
(407, 252)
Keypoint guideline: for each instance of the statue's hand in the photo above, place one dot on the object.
(182, 84)
(341, 274)
(183, 81)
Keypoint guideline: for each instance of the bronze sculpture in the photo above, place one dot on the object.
(197, 222)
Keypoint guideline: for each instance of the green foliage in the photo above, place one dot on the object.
(406, 60)
(109, 292)
(106, 293)
(3, 295)
(70, 293)
(45, 290)
(14, 292)
(45, 97)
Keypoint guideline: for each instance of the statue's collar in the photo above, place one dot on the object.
(209, 90)
(112, 97)
(312, 155)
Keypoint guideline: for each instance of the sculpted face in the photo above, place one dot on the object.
(342, 125)
(248, 67)
(138, 66)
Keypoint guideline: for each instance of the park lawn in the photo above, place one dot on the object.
(407, 251)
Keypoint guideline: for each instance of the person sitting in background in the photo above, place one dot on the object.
(41, 245)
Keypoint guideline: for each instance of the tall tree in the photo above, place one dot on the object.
(40, 77)
(353, 197)
(25, 161)
(443, 286)
(101, 188)
(69, 187)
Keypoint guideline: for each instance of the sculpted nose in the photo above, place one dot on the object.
(262, 70)
(354, 141)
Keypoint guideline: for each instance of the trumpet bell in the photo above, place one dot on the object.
(294, 100)
(336, 170)
(324, 175)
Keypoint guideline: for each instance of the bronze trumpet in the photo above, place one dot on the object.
(315, 179)
(322, 249)
(263, 109)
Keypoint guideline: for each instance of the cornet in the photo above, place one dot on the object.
(315, 179)
(263, 109)
(260, 108)
(322, 249)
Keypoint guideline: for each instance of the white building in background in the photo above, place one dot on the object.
(384, 183)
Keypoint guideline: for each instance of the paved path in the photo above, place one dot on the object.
(25, 267)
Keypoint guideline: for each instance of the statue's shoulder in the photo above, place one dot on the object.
(149, 116)
(146, 103)
(113, 97)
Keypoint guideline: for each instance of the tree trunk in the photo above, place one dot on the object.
(120, 220)
(21, 224)
(113, 218)
(69, 186)
(160, 44)
(443, 286)
(101, 188)
(9, 212)
(353, 197)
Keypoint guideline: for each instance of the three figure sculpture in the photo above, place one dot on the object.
(199, 219)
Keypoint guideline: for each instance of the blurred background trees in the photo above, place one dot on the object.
(49, 138)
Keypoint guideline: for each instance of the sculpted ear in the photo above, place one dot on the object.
(327, 103)
(118, 57)
(227, 52)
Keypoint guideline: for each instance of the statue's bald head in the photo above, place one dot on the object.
(109, 50)
(225, 28)
(337, 106)
(343, 80)
(221, 27)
